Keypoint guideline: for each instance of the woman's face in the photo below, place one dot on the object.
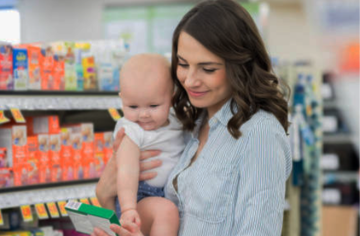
(202, 74)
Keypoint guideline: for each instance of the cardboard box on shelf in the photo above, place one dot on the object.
(99, 153)
(47, 68)
(33, 160)
(13, 138)
(34, 54)
(55, 157)
(3, 158)
(20, 69)
(6, 177)
(66, 155)
(6, 67)
(76, 143)
(44, 167)
(43, 125)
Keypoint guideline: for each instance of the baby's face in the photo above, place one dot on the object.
(147, 104)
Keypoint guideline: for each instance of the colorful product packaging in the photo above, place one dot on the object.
(6, 67)
(34, 54)
(99, 153)
(43, 125)
(108, 146)
(55, 158)
(66, 155)
(33, 160)
(47, 68)
(88, 63)
(76, 142)
(20, 67)
(6, 177)
(59, 73)
(3, 158)
(70, 68)
(43, 156)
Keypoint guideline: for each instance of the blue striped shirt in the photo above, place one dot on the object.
(235, 186)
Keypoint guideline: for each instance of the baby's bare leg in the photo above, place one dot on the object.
(159, 216)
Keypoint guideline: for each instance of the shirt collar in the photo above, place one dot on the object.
(223, 115)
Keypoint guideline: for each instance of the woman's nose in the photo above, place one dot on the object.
(191, 79)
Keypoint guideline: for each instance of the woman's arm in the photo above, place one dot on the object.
(259, 205)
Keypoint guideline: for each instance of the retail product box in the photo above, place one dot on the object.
(33, 54)
(13, 138)
(20, 68)
(108, 145)
(6, 177)
(3, 158)
(85, 217)
(6, 67)
(88, 63)
(66, 155)
(43, 125)
(76, 143)
(59, 73)
(47, 68)
(33, 160)
(99, 153)
(79, 67)
(21, 171)
(339, 220)
(55, 158)
(43, 155)
(70, 68)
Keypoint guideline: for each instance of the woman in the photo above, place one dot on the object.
(231, 177)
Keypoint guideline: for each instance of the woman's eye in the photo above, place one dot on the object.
(153, 106)
(209, 70)
(133, 107)
(183, 65)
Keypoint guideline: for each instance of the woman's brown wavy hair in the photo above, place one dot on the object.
(226, 29)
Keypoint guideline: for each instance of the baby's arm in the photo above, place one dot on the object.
(127, 162)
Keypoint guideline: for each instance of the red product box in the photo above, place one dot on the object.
(47, 68)
(6, 67)
(3, 158)
(6, 177)
(43, 125)
(76, 143)
(59, 73)
(33, 160)
(55, 158)
(66, 154)
(21, 172)
(44, 158)
(108, 146)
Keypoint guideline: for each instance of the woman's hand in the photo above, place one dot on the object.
(106, 187)
(126, 229)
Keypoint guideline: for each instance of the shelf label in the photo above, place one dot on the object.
(3, 118)
(26, 213)
(95, 201)
(1, 219)
(41, 211)
(54, 213)
(114, 114)
(62, 209)
(16, 113)
(85, 200)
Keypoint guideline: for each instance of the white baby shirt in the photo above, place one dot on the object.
(169, 140)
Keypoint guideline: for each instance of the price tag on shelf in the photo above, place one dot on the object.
(41, 211)
(1, 218)
(16, 113)
(114, 114)
(3, 118)
(85, 200)
(62, 209)
(54, 213)
(95, 201)
(26, 213)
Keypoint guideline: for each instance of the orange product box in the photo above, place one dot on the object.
(44, 158)
(76, 143)
(3, 158)
(47, 68)
(6, 177)
(6, 67)
(33, 160)
(21, 172)
(66, 154)
(59, 73)
(34, 54)
(43, 125)
(108, 146)
(99, 153)
(55, 158)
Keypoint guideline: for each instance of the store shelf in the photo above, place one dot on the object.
(30, 195)
(59, 100)
(336, 138)
(340, 176)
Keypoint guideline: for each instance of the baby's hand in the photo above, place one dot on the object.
(131, 215)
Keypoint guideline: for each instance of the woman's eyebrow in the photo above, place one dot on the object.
(202, 63)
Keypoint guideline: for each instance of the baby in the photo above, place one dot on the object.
(146, 93)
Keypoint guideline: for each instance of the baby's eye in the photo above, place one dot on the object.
(133, 107)
(153, 106)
